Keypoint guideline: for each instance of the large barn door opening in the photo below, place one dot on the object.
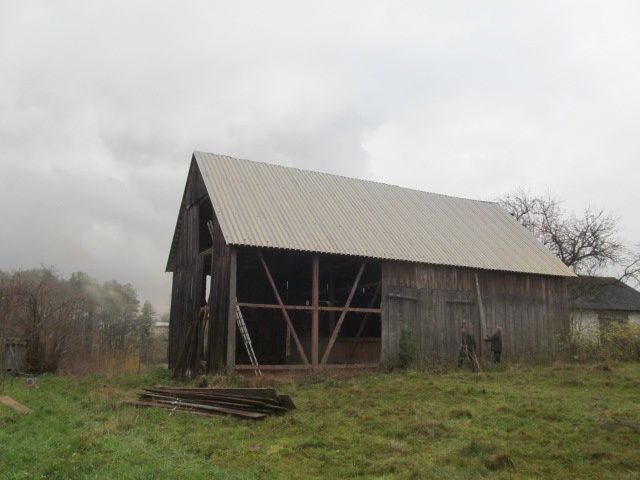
(308, 311)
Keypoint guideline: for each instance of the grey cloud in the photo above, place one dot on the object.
(102, 103)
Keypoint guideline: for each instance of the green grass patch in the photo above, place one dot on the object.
(562, 421)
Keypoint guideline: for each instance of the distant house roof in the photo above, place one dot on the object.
(271, 206)
(602, 293)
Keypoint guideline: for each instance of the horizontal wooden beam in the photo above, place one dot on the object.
(277, 307)
(351, 309)
(326, 366)
(309, 308)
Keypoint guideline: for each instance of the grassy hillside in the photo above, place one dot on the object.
(554, 422)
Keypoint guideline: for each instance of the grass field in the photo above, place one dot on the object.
(565, 421)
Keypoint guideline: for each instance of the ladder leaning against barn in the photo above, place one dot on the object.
(242, 327)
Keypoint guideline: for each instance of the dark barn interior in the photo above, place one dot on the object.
(358, 341)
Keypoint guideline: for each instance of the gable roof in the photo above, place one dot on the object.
(602, 293)
(271, 206)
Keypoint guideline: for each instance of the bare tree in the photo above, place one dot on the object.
(47, 307)
(589, 242)
(76, 323)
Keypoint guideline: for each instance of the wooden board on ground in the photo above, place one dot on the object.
(17, 406)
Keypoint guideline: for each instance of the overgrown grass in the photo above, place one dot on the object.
(565, 421)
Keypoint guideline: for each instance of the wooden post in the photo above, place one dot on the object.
(332, 300)
(483, 320)
(231, 315)
(336, 331)
(315, 313)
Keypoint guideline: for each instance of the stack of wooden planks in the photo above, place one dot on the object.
(249, 403)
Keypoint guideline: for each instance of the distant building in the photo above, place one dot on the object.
(15, 355)
(160, 328)
(596, 302)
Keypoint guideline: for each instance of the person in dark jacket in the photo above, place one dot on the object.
(467, 349)
(496, 344)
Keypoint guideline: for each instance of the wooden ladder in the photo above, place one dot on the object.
(242, 326)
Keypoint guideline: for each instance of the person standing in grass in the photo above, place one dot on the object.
(467, 349)
(496, 344)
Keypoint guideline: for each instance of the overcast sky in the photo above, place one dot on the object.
(102, 103)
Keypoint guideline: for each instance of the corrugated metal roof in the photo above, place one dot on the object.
(263, 205)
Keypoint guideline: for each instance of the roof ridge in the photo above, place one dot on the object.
(377, 182)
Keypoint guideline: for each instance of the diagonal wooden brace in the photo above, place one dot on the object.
(372, 302)
(336, 330)
(283, 309)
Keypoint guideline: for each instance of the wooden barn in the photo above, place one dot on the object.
(335, 272)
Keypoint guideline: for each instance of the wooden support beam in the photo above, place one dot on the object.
(364, 321)
(336, 330)
(483, 320)
(328, 366)
(11, 403)
(283, 309)
(332, 300)
(231, 313)
(310, 308)
(315, 312)
(350, 309)
(275, 306)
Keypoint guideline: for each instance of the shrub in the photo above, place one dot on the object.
(617, 341)
(407, 347)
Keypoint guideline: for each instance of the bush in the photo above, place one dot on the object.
(618, 341)
(407, 348)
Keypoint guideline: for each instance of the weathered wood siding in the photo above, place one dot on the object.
(189, 283)
(434, 301)
(218, 301)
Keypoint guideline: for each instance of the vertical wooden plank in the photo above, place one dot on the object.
(384, 314)
(315, 313)
(483, 319)
(332, 299)
(394, 329)
(231, 317)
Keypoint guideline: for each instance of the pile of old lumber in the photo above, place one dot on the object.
(251, 403)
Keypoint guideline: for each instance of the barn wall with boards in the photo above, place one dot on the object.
(431, 303)
(198, 338)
